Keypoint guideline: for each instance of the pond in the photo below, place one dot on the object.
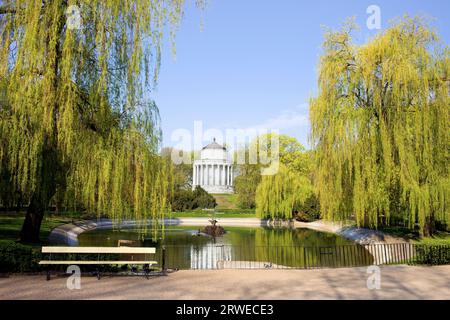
(187, 248)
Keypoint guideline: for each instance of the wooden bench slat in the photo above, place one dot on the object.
(55, 262)
(99, 250)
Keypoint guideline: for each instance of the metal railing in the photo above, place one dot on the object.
(299, 257)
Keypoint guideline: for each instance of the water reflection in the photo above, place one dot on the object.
(186, 248)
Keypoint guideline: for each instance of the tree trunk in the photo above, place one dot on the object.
(41, 198)
(32, 224)
(430, 227)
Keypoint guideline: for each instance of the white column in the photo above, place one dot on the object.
(193, 175)
(227, 175)
(197, 176)
(207, 174)
(222, 173)
(217, 175)
(201, 174)
(231, 175)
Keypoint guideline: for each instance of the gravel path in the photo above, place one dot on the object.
(397, 282)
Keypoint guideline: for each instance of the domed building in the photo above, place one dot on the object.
(214, 171)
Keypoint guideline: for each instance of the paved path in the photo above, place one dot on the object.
(397, 282)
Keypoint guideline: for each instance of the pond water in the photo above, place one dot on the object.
(186, 248)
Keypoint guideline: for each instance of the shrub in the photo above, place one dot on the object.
(309, 211)
(16, 257)
(432, 255)
(185, 200)
(19, 258)
(203, 199)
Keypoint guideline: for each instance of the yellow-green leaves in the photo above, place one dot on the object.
(278, 196)
(380, 127)
(79, 94)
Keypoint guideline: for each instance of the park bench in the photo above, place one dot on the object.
(130, 252)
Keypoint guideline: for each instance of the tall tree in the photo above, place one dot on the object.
(380, 126)
(291, 153)
(281, 195)
(74, 117)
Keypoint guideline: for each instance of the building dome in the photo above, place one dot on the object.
(213, 171)
(214, 151)
(214, 145)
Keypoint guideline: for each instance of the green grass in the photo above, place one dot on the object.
(226, 201)
(11, 224)
(440, 238)
(219, 213)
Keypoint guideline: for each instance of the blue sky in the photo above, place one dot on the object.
(253, 64)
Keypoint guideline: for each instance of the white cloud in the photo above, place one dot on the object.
(293, 118)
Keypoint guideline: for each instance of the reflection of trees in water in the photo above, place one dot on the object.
(281, 246)
(306, 248)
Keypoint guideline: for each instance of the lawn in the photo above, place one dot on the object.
(226, 201)
(219, 213)
(11, 224)
(440, 238)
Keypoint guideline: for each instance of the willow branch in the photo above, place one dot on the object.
(7, 9)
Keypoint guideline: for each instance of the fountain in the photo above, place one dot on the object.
(214, 230)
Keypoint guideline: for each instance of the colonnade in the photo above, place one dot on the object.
(212, 174)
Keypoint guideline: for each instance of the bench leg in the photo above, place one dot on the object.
(48, 275)
(98, 274)
(147, 271)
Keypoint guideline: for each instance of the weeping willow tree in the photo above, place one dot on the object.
(380, 127)
(73, 120)
(279, 196)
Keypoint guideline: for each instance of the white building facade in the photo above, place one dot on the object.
(214, 171)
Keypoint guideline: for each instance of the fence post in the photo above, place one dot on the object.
(163, 259)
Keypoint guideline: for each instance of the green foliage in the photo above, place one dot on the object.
(281, 195)
(245, 185)
(16, 257)
(72, 117)
(291, 153)
(19, 258)
(432, 255)
(185, 199)
(309, 210)
(219, 213)
(284, 195)
(380, 127)
(181, 173)
(203, 199)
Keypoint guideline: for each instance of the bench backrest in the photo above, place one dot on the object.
(98, 250)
